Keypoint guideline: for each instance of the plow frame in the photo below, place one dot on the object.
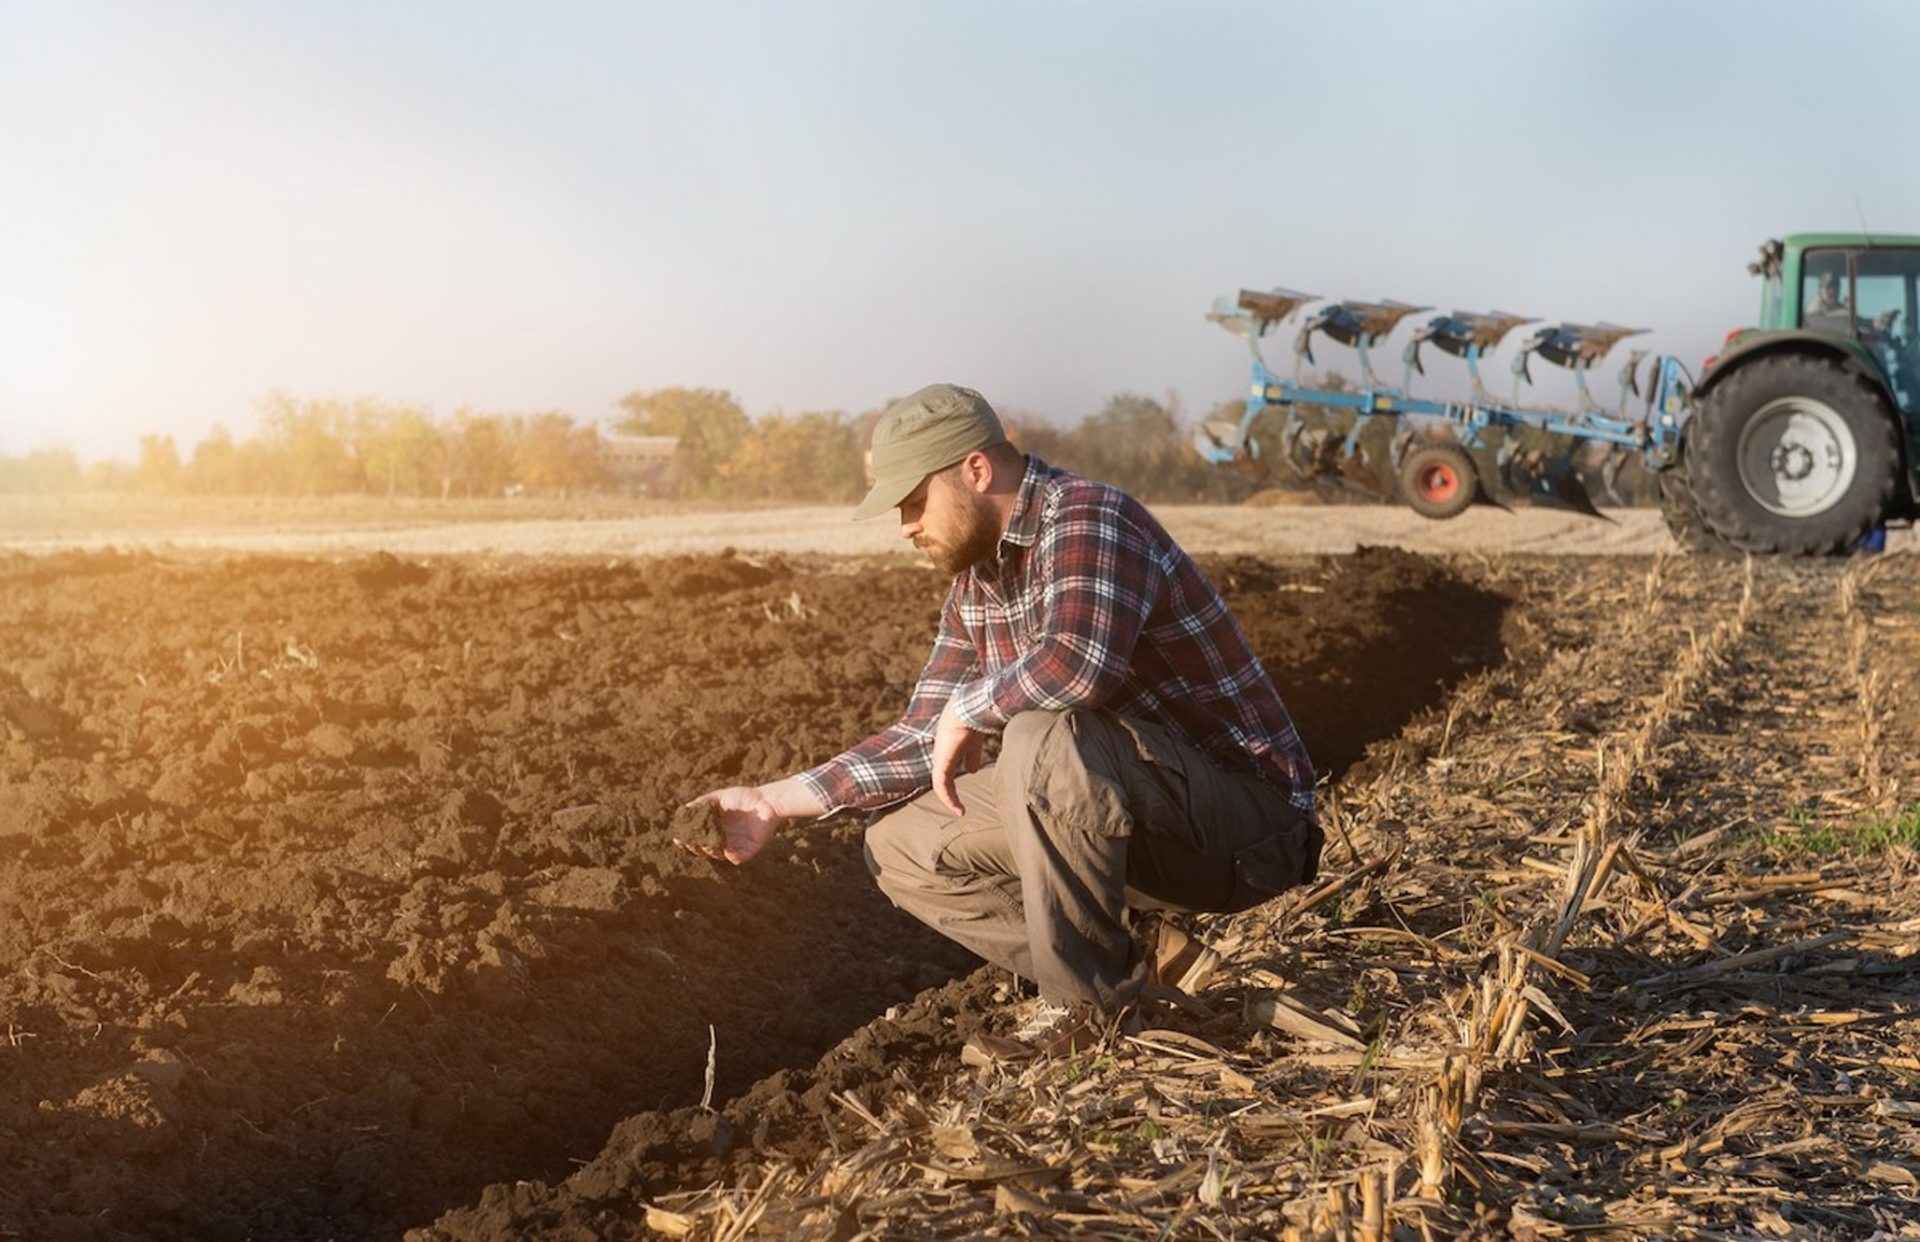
(1655, 434)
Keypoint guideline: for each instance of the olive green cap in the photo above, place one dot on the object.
(924, 433)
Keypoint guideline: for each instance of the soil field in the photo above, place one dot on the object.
(337, 898)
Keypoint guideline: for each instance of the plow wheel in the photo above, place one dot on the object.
(1438, 480)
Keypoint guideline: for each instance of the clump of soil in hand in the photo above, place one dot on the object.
(699, 826)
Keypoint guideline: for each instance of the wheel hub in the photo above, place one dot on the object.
(1438, 482)
(1797, 457)
(1792, 462)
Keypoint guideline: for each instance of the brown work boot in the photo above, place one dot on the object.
(1177, 960)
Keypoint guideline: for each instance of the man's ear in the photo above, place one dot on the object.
(977, 471)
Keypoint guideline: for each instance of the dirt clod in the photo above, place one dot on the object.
(698, 826)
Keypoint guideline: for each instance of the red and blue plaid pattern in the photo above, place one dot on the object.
(1089, 604)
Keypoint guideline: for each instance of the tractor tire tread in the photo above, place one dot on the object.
(1685, 522)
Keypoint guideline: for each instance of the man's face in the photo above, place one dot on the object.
(952, 524)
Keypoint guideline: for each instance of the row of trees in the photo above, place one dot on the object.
(330, 447)
(310, 447)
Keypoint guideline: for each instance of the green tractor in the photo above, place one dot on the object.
(1804, 437)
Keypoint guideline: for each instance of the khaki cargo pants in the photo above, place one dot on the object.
(1084, 815)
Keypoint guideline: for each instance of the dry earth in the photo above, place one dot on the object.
(336, 895)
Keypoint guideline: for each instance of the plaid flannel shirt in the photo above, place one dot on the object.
(1089, 603)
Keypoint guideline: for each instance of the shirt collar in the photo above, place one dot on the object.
(1023, 523)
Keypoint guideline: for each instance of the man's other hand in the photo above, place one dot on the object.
(751, 814)
(956, 749)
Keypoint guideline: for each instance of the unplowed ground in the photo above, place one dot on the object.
(337, 897)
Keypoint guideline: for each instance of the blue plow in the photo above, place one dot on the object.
(1438, 453)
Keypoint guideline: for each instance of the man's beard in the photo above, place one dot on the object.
(975, 542)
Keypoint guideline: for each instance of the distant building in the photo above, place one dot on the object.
(642, 465)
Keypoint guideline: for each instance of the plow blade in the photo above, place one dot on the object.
(1352, 323)
(1459, 331)
(1219, 441)
(1358, 473)
(1466, 335)
(1312, 452)
(1319, 455)
(1565, 491)
(1573, 346)
(1549, 482)
(1257, 312)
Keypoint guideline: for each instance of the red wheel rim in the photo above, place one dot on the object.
(1438, 482)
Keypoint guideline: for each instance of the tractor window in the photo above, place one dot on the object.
(1883, 313)
(1826, 293)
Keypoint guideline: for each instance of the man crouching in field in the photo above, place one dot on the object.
(1145, 758)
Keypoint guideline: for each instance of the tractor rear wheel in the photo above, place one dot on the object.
(1792, 453)
(1438, 480)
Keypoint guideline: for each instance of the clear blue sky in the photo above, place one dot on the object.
(521, 207)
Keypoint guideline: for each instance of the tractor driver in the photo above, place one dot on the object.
(1828, 311)
(1145, 759)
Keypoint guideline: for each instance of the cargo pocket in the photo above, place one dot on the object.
(1069, 781)
(1160, 786)
(1273, 865)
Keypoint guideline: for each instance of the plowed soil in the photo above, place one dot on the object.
(332, 893)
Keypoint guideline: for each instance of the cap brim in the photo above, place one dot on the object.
(884, 495)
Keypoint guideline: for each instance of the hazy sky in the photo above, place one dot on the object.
(520, 207)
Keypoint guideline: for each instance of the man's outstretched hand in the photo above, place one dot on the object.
(751, 814)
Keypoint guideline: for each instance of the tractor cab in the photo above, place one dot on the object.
(1868, 295)
(1855, 293)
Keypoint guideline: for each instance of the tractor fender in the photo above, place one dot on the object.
(1795, 340)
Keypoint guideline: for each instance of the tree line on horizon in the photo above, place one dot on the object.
(333, 447)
